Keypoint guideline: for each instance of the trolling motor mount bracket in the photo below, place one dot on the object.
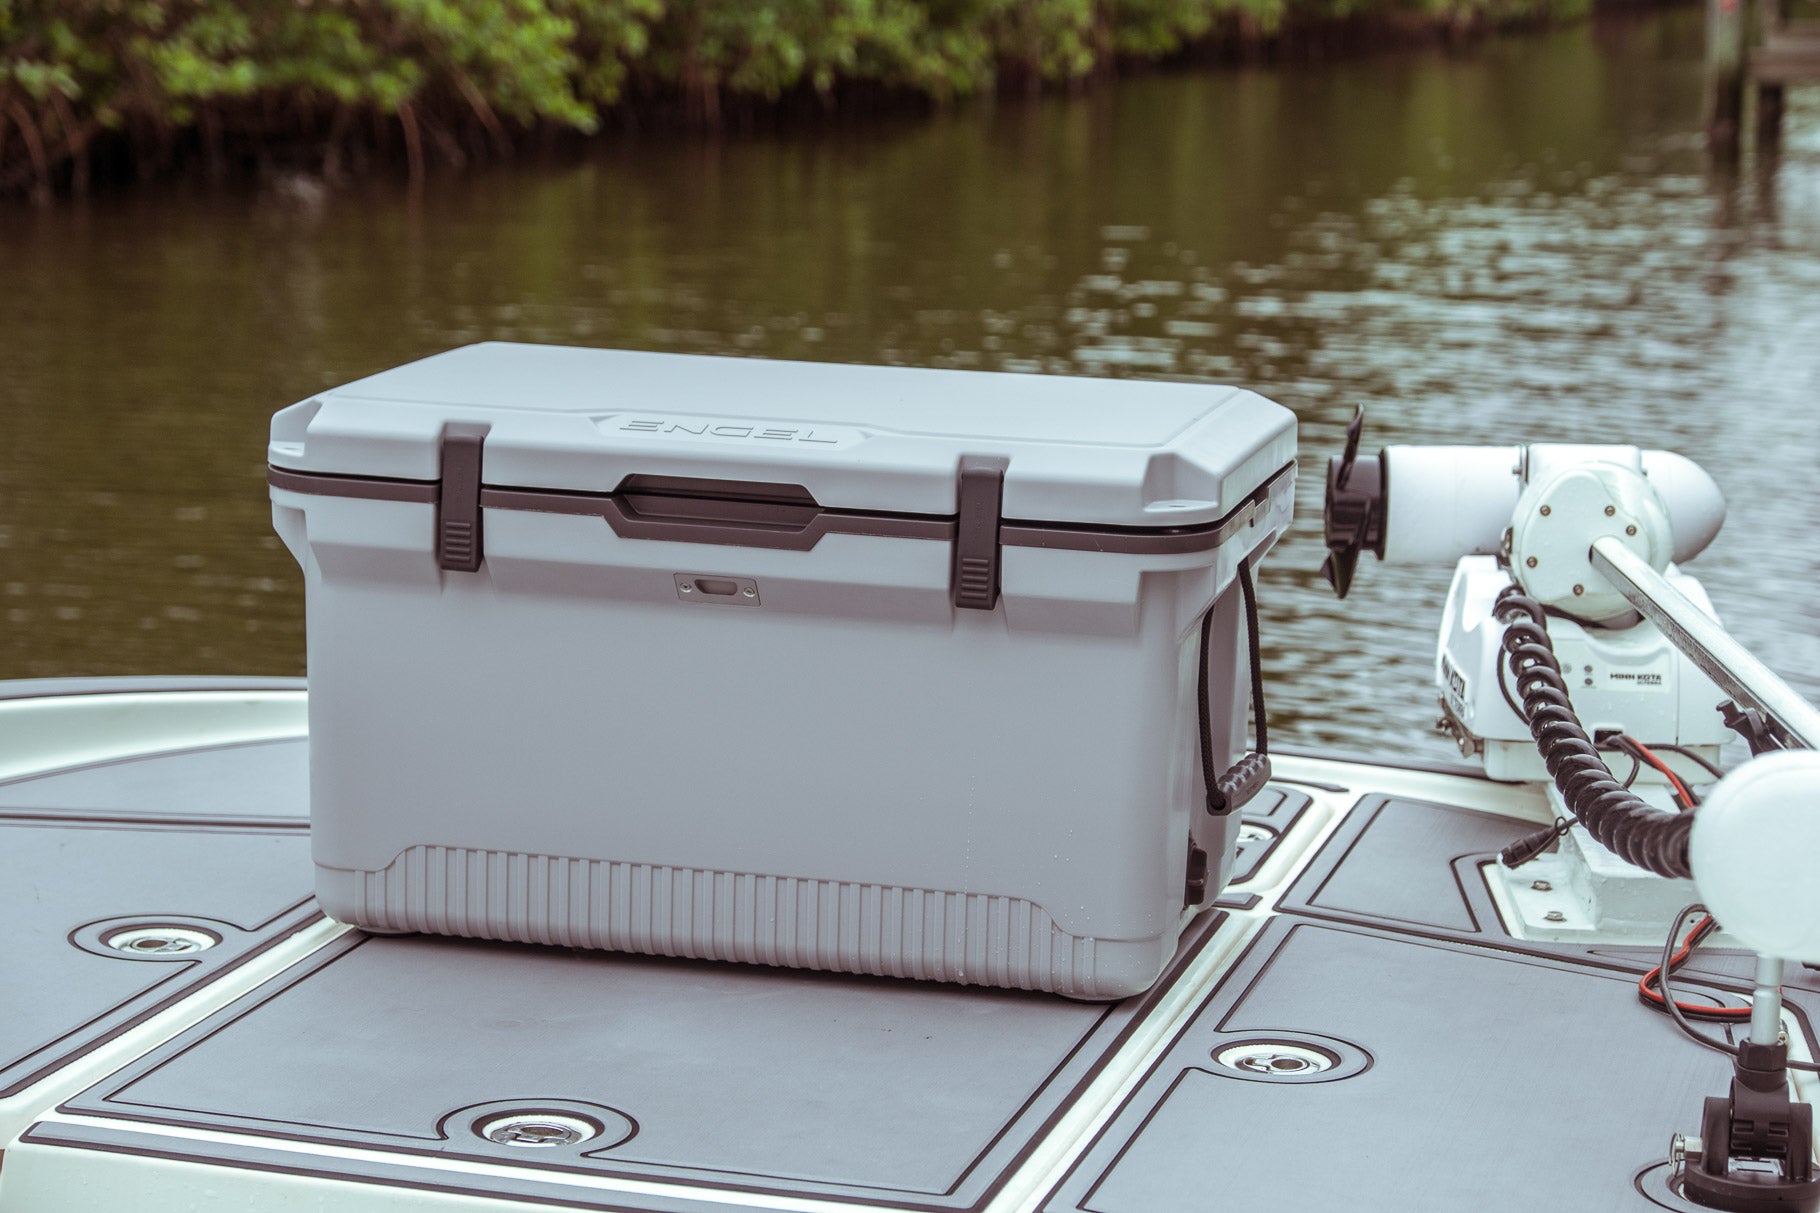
(1755, 1152)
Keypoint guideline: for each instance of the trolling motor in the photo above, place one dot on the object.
(1527, 514)
(1569, 633)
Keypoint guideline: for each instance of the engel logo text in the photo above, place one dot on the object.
(747, 431)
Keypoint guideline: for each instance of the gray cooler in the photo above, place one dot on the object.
(878, 670)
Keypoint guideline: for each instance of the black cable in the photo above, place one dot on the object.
(1617, 817)
(1533, 844)
(1710, 768)
(1516, 709)
(1668, 995)
(1633, 749)
(1640, 754)
(1636, 763)
(1649, 989)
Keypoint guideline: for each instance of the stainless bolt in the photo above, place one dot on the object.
(1274, 1060)
(1546, 511)
(537, 1129)
(1610, 510)
(533, 1133)
(685, 587)
(1579, 589)
(1541, 886)
(158, 943)
(1531, 562)
(750, 592)
(1554, 916)
(1631, 529)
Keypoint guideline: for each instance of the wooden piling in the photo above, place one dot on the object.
(1769, 116)
(1724, 74)
(1773, 42)
(1778, 54)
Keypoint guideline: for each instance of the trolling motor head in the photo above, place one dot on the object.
(1431, 504)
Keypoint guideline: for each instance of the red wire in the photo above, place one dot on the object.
(1674, 780)
(1646, 986)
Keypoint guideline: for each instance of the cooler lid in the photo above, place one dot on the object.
(1084, 452)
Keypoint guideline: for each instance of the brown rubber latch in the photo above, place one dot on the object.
(458, 539)
(976, 546)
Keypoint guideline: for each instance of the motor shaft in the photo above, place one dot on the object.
(1766, 1002)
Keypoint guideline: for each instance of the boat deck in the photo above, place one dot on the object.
(1356, 1026)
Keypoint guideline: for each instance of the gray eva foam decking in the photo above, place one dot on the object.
(914, 1094)
(66, 882)
(1470, 1070)
(1469, 1078)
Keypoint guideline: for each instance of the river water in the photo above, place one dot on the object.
(1517, 241)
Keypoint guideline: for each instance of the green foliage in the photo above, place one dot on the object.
(1153, 29)
(609, 35)
(71, 70)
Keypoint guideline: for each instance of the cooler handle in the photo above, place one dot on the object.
(1249, 773)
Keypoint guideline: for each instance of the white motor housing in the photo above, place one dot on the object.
(1560, 515)
(1629, 679)
(1425, 504)
(1444, 502)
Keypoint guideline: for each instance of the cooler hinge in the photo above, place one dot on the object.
(976, 548)
(458, 541)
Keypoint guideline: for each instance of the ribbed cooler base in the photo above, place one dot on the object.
(967, 938)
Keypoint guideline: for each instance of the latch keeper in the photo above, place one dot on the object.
(980, 495)
(458, 539)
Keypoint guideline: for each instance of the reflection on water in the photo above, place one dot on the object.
(1519, 242)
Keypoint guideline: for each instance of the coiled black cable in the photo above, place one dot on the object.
(1618, 818)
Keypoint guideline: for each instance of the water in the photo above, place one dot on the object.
(1520, 241)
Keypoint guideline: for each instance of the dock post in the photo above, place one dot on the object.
(1724, 74)
(1769, 115)
(1772, 19)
